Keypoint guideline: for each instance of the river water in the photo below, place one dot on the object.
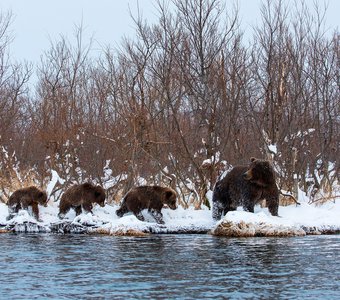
(48, 266)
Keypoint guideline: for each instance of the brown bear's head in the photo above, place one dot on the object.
(95, 193)
(260, 172)
(99, 194)
(41, 197)
(170, 198)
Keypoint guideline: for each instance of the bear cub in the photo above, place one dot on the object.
(24, 198)
(245, 186)
(81, 197)
(147, 197)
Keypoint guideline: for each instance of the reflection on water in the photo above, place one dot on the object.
(168, 267)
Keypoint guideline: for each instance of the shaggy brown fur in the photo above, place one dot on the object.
(245, 186)
(152, 198)
(81, 197)
(25, 198)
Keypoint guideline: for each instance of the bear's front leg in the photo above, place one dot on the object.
(13, 211)
(248, 206)
(272, 200)
(158, 216)
(273, 205)
(139, 216)
(122, 210)
(217, 210)
(87, 207)
(78, 210)
(35, 211)
(64, 208)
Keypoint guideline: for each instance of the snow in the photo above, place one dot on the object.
(54, 180)
(299, 134)
(272, 148)
(307, 217)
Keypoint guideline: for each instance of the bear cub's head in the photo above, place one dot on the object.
(97, 193)
(100, 196)
(170, 198)
(260, 172)
(42, 198)
(38, 195)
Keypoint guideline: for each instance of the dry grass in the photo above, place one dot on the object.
(11, 180)
(129, 232)
(11, 183)
(231, 229)
(286, 200)
(120, 232)
(324, 199)
(243, 229)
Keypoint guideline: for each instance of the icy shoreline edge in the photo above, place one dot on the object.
(147, 229)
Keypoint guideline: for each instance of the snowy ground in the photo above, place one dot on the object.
(309, 218)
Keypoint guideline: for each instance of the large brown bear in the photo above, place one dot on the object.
(148, 197)
(24, 198)
(245, 186)
(81, 196)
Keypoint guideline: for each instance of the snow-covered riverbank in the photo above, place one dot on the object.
(293, 220)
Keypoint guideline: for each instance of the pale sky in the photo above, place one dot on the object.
(36, 22)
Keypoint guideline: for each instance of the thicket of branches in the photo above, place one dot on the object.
(181, 102)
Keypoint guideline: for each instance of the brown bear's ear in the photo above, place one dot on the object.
(252, 159)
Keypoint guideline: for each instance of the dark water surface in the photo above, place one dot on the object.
(168, 267)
